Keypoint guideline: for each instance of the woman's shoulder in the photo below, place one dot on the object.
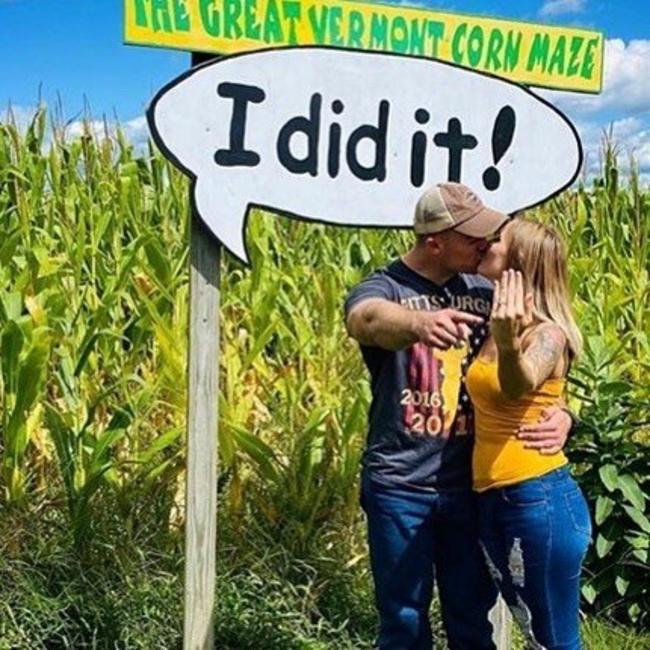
(549, 343)
(546, 329)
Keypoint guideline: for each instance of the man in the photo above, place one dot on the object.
(419, 322)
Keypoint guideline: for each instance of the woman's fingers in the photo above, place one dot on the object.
(519, 294)
(512, 292)
(495, 299)
(503, 296)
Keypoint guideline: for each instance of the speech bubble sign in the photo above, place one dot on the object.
(352, 138)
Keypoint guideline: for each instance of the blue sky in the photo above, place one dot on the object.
(73, 49)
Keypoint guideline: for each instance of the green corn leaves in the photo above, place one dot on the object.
(93, 345)
(24, 354)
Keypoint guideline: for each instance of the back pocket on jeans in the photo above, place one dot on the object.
(578, 511)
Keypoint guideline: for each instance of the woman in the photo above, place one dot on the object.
(534, 521)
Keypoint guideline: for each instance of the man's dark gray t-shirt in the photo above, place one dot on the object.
(421, 427)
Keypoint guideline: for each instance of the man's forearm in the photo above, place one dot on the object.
(383, 324)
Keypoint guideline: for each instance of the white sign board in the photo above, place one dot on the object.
(353, 138)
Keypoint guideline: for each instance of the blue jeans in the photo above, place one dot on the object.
(414, 535)
(535, 535)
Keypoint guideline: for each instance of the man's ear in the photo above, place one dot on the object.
(434, 244)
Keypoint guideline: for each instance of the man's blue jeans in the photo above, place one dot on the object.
(414, 536)
(535, 535)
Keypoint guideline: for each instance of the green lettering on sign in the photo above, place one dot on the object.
(548, 56)
(356, 30)
(378, 32)
(539, 52)
(436, 31)
(209, 17)
(459, 35)
(181, 17)
(292, 12)
(513, 47)
(475, 46)
(161, 18)
(493, 53)
(141, 14)
(335, 38)
(574, 64)
(232, 13)
(273, 24)
(318, 23)
(418, 34)
(557, 60)
(399, 35)
(588, 63)
(252, 27)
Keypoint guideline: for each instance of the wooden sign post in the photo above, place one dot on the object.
(202, 413)
(202, 422)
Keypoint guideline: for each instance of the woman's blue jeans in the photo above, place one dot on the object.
(414, 536)
(535, 535)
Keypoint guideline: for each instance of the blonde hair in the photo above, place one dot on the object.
(537, 250)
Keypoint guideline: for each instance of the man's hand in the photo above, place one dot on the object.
(389, 325)
(444, 328)
(550, 434)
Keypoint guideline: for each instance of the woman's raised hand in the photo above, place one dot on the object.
(511, 311)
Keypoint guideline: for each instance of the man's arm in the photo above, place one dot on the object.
(382, 323)
(391, 326)
(550, 433)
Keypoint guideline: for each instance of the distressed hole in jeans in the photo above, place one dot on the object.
(524, 619)
(492, 567)
(516, 563)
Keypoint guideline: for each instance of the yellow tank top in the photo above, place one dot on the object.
(499, 458)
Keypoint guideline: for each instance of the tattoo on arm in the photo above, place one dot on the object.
(544, 352)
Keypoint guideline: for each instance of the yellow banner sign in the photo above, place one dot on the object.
(539, 55)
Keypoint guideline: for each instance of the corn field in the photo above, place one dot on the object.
(93, 329)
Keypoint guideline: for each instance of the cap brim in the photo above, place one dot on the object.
(485, 223)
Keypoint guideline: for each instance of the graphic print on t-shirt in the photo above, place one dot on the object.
(430, 401)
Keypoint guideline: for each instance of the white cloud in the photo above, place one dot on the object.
(76, 129)
(557, 7)
(136, 130)
(631, 138)
(622, 110)
(626, 81)
(21, 116)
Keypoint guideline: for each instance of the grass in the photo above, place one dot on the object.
(108, 598)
